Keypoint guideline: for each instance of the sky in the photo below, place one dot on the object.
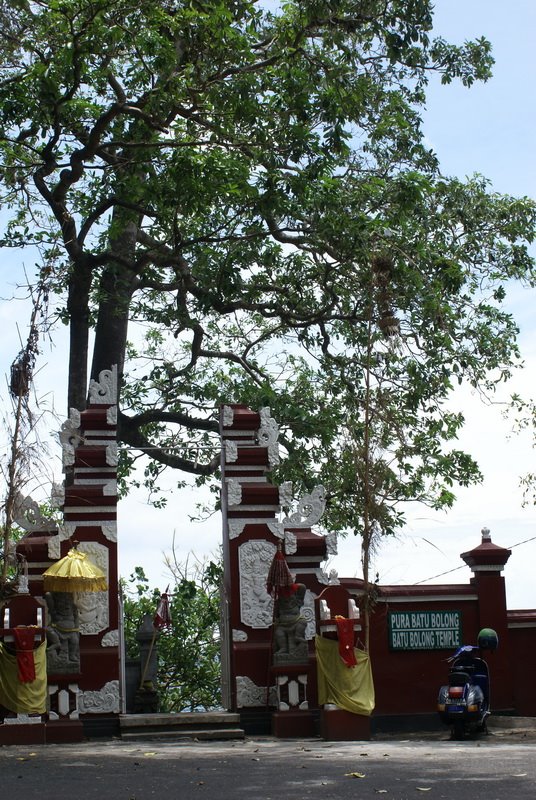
(488, 129)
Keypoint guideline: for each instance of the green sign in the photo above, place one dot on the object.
(425, 630)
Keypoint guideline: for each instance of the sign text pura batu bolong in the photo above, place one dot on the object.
(425, 630)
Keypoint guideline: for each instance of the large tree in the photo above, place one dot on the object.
(248, 186)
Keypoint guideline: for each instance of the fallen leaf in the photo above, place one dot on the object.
(520, 775)
(423, 788)
(380, 791)
(149, 754)
(354, 774)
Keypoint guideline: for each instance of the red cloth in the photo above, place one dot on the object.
(24, 647)
(346, 637)
(162, 617)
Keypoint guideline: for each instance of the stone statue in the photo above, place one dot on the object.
(63, 633)
(290, 644)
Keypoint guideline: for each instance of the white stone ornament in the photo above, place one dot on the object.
(231, 451)
(249, 694)
(227, 416)
(309, 511)
(331, 543)
(268, 435)
(105, 389)
(101, 701)
(70, 437)
(234, 492)
(110, 639)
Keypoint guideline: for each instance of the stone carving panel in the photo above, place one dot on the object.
(101, 701)
(93, 616)
(256, 605)
(248, 694)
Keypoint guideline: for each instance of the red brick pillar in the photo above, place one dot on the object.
(487, 562)
(269, 696)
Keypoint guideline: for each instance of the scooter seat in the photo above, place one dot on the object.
(458, 678)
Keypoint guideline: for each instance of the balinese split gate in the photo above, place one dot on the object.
(289, 628)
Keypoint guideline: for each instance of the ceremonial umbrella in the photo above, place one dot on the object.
(74, 573)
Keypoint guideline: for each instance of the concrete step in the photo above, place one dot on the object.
(201, 734)
(196, 725)
(197, 718)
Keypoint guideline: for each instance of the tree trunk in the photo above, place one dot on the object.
(115, 292)
(78, 309)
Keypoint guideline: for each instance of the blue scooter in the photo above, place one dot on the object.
(464, 703)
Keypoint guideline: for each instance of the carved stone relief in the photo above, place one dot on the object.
(285, 494)
(234, 492)
(92, 607)
(110, 639)
(268, 435)
(291, 543)
(70, 437)
(236, 527)
(109, 530)
(239, 636)
(248, 694)
(331, 543)
(256, 605)
(101, 701)
(27, 514)
(231, 451)
(112, 454)
(105, 389)
(227, 416)
(307, 611)
(309, 511)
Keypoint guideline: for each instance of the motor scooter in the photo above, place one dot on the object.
(464, 703)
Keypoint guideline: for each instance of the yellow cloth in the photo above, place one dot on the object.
(350, 688)
(23, 698)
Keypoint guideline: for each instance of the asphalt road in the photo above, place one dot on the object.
(498, 767)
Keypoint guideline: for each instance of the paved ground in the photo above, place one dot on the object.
(497, 767)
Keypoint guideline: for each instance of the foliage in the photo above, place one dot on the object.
(25, 455)
(250, 189)
(523, 414)
(188, 651)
